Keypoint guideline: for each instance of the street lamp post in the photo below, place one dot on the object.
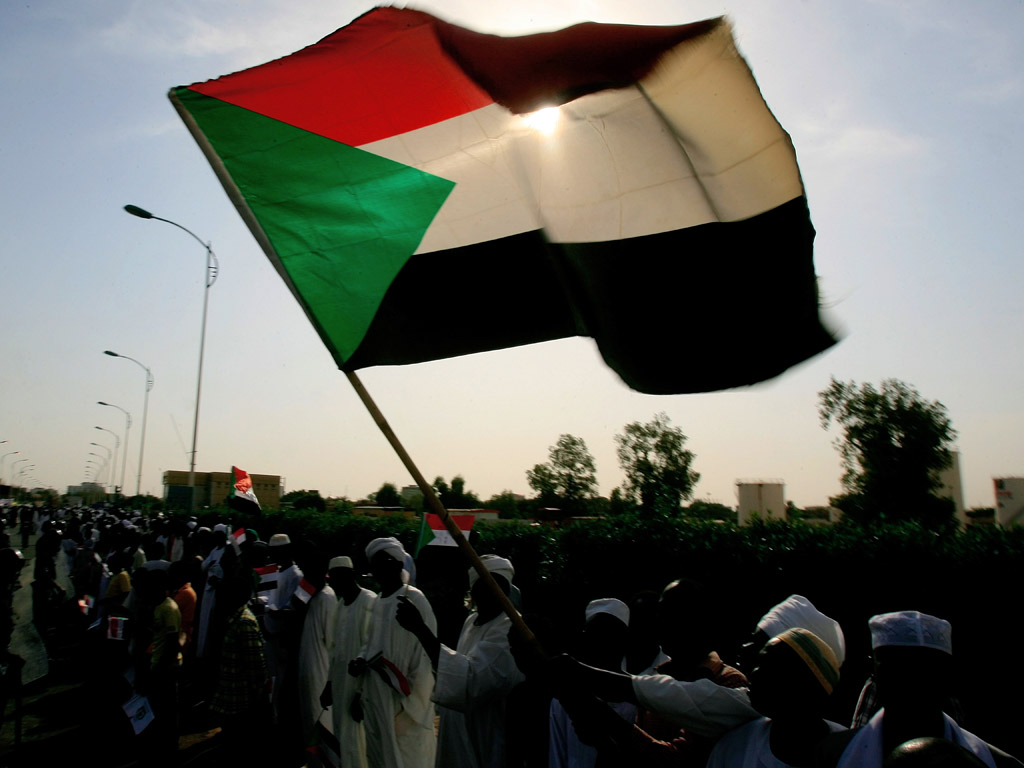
(127, 426)
(212, 266)
(14, 464)
(117, 447)
(11, 453)
(100, 468)
(145, 413)
(109, 455)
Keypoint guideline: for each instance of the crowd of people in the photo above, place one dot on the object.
(279, 649)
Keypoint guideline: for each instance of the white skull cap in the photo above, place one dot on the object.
(911, 629)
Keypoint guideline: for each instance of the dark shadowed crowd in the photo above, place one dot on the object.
(282, 654)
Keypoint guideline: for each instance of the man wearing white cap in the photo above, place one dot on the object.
(603, 647)
(695, 691)
(913, 664)
(351, 628)
(398, 679)
(474, 679)
(282, 625)
(218, 566)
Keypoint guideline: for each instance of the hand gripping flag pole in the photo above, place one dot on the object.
(438, 509)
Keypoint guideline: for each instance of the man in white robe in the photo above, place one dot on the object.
(474, 679)
(350, 632)
(796, 672)
(398, 679)
(315, 656)
(913, 666)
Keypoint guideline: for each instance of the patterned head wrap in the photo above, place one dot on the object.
(815, 653)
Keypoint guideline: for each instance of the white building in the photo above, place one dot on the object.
(950, 487)
(1009, 500)
(764, 499)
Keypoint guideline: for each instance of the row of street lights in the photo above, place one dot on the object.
(15, 475)
(212, 267)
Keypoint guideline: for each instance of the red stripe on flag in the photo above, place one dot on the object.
(383, 75)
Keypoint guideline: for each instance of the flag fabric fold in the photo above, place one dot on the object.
(621, 182)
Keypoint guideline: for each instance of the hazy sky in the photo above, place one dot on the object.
(907, 122)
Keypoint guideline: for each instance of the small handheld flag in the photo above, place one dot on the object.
(241, 497)
(392, 676)
(268, 577)
(305, 591)
(116, 627)
(434, 534)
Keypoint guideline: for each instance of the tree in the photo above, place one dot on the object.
(455, 496)
(568, 479)
(304, 499)
(387, 496)
(657, 467)
(710, 510)
(893, 446)
(506, 503)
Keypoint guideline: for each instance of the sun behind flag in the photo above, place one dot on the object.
(657, 207)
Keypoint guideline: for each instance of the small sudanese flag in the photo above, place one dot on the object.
(305, 591)
(268, 577)
(116, 626)
(434, 534)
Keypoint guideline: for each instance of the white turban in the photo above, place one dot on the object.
(797, 612)
(608, 605)
(391, 545)
(496, 565)
(911, 628)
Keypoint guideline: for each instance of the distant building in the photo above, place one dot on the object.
(1009, 500)
(411, 495)
(821, 515)
(763, 499)
(951, 488)
(370, 511)
(86, 493)
(212, 489)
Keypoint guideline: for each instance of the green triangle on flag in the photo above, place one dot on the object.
(342, 221)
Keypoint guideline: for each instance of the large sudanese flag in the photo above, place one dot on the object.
(427, 191)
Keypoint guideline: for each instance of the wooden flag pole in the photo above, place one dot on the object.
(438, 509)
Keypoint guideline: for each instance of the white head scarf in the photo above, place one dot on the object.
(797, 612)
(393, 547)
(608, 605)
(496, 565)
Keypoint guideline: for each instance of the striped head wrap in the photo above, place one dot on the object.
(815, 653)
